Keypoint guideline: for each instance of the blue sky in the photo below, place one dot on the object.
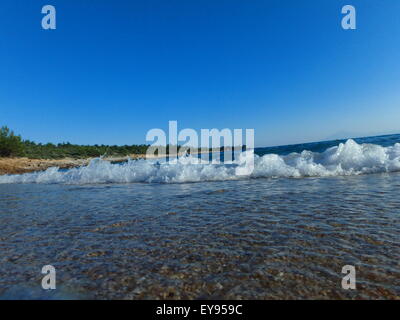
(112, 70)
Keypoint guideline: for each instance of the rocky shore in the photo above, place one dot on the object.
(24, 165)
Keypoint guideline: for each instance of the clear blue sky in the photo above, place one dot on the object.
(112, 70)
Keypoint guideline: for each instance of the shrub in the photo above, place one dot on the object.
(10, 144)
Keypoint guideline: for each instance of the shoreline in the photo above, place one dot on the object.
(20, 165)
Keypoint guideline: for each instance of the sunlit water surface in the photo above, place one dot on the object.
(253, 239)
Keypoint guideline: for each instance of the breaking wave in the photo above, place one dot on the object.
(348, 158)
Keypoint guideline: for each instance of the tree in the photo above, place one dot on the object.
(10, 144)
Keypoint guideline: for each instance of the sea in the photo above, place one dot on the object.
(287, 228)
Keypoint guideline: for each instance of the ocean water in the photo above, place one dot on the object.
(149, 229)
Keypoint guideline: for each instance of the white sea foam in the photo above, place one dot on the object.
(349, 158)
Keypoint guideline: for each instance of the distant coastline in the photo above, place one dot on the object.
(20, 165)
(22, 156)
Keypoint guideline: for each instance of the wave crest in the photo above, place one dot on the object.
(347, 158)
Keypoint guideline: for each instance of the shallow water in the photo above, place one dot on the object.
(254, 238)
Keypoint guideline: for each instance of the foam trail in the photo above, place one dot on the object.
(349, 158)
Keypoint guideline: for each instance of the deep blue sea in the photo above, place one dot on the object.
(384, 141)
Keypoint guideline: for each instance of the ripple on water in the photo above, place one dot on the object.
(256, 239)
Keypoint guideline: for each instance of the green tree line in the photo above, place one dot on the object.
(12, 145)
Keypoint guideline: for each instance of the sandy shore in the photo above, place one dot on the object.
(24, 165)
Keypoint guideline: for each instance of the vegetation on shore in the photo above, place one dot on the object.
(12, 145)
